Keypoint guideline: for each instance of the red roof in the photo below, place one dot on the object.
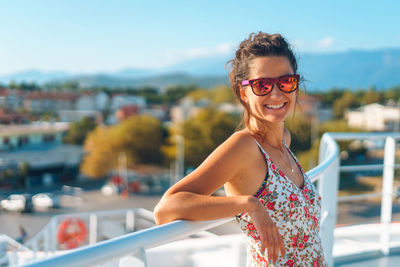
(66, 96)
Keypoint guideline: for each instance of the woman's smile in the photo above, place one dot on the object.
(276, 106)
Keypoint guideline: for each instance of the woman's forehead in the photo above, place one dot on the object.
(271, 66)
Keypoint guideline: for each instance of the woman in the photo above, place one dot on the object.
(276, 205)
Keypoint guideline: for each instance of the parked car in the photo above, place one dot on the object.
(45, 201)
(17, 202)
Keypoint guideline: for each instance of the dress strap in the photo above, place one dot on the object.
(261, 149)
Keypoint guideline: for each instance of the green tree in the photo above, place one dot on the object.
(199, 94)
(173, 93)
(151, 94)
(202, 134)
(101, 148)
(221, 94)
(371, 96)
(138, 137)
(78, 131)
(300, 128)
(340, 105)
(142, 137)
(12, 85)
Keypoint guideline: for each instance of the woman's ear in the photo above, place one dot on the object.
(243, 95)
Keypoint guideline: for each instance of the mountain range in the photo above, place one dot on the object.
(349, 69)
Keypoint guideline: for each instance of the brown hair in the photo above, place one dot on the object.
(257, 45)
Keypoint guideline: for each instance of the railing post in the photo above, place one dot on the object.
(387, 193)
(137, 259)
(92, 229)
(53, 231)
(130, 221)
(328, 187)
(46, 241)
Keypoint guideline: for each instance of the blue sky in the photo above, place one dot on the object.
(90, 36)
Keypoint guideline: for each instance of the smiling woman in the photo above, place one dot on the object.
(276, 205)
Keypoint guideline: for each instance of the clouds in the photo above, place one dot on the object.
(221, 49)
(326, 42)
(300, 44)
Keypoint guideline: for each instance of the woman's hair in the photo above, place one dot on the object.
(257, 45)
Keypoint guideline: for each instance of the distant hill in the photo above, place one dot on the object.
(36, 76)
(157, 80)
(350, 69)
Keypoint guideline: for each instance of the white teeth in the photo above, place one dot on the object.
(275, 106)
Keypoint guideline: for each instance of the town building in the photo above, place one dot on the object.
(374, 117)
(38, 101)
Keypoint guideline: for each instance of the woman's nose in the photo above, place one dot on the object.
(275, 93)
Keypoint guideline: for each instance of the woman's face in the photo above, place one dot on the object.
(277, 105)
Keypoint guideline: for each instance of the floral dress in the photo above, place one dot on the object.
(296, 213)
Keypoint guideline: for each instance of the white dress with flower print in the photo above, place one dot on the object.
(296, 213)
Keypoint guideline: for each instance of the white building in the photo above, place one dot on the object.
(89, 101)
(184, 110)
(102, 100)
(77, 115)
(374, 117)
(85, 102)
(118, 101)
(36, 134)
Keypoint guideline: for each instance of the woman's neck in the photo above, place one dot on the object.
(273, 133)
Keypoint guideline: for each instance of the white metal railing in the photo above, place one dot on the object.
(387, 193)
(46, 243)
(9, 244)
(326, 174)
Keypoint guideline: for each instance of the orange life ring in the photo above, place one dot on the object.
(71, 233)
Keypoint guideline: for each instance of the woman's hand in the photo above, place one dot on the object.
(269, 235)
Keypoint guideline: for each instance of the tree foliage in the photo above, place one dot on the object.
(221, 94)
(173, 93)
(300, 128)
(371, 96)
(138, 137)
(78, 131)
(348, 100)
(202, 134)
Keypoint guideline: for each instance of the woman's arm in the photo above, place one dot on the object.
(191, 199)
(198, 207)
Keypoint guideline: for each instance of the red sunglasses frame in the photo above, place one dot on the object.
(273, 81)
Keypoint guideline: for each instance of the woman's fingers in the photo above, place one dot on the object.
(281, 246)
(271, 246)
(269, 235)
(272, 241)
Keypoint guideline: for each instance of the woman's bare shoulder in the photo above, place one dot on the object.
(241, 141)
(234, 152)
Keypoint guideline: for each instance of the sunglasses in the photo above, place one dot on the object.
(263, 86)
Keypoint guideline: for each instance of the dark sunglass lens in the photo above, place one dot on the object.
(260, 87)
(288, 83)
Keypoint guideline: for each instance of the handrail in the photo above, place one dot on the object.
(128, 244)
(322, 167)
(46, 237)
(136, 242)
